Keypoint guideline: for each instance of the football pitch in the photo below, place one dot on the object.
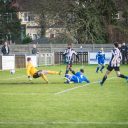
(34, 104)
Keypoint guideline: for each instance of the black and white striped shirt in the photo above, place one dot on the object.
(69, 54)
(116, 58)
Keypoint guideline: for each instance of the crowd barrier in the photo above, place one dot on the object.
(19, 60)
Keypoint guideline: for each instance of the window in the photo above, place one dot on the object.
(7, 17)
(34, 36)
(117, 16)
(28, 17)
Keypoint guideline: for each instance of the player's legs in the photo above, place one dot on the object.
(109, 69)
(71, 70)
(43, 74)
(54, 72)
(97, 68)
(68, 78)
(44, 77)
(119, 74)
(86, 80)
(102, 67)
(40, 73)
(67, 69)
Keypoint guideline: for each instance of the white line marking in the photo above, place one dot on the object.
(13, 78)
(61, 123)
(22, 93)
(67, 90)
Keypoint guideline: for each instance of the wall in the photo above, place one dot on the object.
(46, 48)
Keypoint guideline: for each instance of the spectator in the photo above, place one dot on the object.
(5, 49)
(35, 50)
(124, 53)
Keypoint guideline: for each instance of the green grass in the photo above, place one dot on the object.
(34, 104)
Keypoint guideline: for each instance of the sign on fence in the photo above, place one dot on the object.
(7, 62)
(92, 57)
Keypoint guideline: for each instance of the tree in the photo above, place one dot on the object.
(85, 20)
(9, 22)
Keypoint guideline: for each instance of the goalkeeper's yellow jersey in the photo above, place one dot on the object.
(30, 69)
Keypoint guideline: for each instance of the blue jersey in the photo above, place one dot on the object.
(77, 78)
(100, 57)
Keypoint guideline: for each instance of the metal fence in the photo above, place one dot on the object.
(59, 58)
(45, 59)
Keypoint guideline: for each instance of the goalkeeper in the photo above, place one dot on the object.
(33, 72)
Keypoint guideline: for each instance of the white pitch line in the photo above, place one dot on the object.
(70, 89)
(21, 93)
(62, 122)
(13, 78)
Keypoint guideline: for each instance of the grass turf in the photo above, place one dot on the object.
(34, 104)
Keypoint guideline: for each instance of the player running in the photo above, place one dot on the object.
(114, 64)
(101, 60)
(76, 78)
(33, 72)
(68, 54)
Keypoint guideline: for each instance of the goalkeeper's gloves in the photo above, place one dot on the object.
(29, 77)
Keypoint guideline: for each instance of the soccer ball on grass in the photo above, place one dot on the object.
(12, 71)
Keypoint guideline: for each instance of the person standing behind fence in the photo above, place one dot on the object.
(68, 55)
(35, 50)
(124, 50)
(5, 48)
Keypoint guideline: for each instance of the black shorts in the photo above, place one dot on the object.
(37, 74)
(111, 68)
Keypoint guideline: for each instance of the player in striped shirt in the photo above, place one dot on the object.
(114, 64)
(68, 55)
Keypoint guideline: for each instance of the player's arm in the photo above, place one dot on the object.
(96, 56)
(86, 80)
(74, 52)
(104, 56)
(64, 53)
(28, 71)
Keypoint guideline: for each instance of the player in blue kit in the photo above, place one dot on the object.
(76, 78)
(101, 60)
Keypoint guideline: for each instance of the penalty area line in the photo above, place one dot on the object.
(81, 86)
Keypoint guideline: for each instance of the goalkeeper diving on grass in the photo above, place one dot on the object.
(32, 72)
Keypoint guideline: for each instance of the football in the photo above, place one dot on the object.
(12, 71)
